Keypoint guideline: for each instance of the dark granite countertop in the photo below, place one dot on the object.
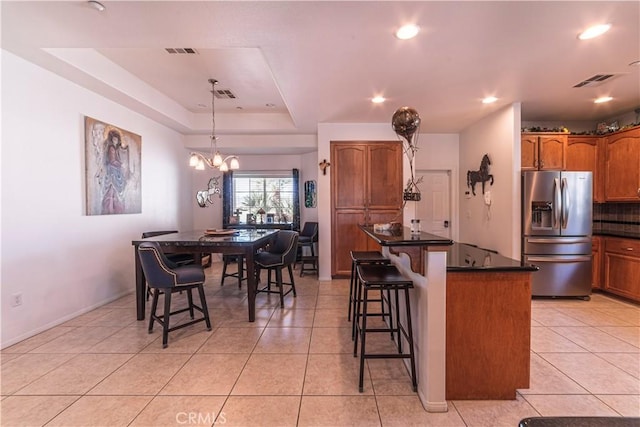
(624, 234)
(460, 256)
(404, 237)
(465, 257)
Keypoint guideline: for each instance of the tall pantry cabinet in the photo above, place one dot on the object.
(366, 188)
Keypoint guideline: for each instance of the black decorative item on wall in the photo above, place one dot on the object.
(482, 175)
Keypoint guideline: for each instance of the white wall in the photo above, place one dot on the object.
(442, 152)
(62, 261)
(436, 151)
(497, 227)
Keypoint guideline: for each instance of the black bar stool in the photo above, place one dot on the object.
(374, 277)
(357, 258)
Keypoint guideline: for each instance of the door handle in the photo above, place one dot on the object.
(446, 224)
(557, 202)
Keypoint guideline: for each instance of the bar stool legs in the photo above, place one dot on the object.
(382, 278)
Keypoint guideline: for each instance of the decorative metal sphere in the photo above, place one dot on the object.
(405, 122)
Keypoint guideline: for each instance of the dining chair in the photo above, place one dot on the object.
(278, 255)
(164, 275)
(239, 273)
(307, 239)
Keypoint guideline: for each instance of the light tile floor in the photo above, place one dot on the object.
(294, 366)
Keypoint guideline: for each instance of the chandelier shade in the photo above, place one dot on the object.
(215, 159)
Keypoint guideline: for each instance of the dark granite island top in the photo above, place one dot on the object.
(404, 237)
(403, 241)
(460, 256)
(466, 257)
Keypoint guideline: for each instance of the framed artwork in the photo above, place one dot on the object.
(310, 194)
(112, 169)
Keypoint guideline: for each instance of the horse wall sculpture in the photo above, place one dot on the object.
(482, 175)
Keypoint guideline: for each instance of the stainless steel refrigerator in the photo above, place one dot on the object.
(556, 231)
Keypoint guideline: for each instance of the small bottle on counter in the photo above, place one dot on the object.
(415, 226)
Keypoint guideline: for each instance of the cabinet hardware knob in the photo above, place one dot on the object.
(629, 249)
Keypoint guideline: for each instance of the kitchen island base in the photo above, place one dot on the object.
(488, 334)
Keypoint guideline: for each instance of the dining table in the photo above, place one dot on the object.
(198, 242)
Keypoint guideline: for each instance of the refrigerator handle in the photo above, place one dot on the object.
(566, 259)
(566, 203)
(556, 202)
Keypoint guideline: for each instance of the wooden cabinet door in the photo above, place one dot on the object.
(552, 152)
(622, 179)
(528, 152)
(349, 179)
(583, 155)
(385, 176)
(347, 236)
(622, 267)
(596, 262)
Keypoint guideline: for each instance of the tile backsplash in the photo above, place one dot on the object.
(616, 217)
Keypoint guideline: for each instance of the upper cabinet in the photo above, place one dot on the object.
(622, 170)
(543, 151)
(584, 154)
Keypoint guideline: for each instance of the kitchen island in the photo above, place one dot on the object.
(471, 311)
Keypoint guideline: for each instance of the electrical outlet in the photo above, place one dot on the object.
(16, 300)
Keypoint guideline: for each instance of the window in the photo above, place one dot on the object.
(247, 192)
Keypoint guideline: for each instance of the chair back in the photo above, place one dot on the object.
(310, 230)
(146, 234)
(286, 245)
(158, 270)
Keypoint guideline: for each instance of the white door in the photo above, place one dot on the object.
(434, 207)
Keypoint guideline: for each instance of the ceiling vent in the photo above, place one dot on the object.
(224, 94)
(596, 80)
(181, 50)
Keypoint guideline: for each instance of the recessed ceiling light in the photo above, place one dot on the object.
(408, 31)
(602, 99)
(96, 5)
(489, 100)
(595, 31)
(378, 99)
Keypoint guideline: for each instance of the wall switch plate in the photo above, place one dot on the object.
(487, 198)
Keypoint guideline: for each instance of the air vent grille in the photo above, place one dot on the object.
(596, 80)
(181, 50)
(224, 94)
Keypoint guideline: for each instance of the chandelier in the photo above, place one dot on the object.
(215, 159)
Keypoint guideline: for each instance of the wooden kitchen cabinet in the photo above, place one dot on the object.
(584, 153)
(622, 267)
(366, 188)
(596, 262)
(622, 170)
(543, 151)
